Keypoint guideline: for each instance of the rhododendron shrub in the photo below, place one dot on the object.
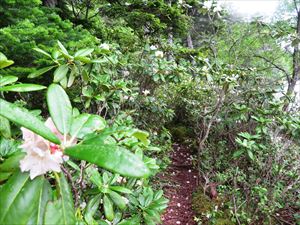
(51, 147)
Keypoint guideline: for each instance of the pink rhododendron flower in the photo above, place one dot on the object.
(42, 155)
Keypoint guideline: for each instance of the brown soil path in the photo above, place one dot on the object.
(180, 182)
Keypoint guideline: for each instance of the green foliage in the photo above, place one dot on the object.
(117, 73)
(35, 26)
(149, 204)
(110, 157)
(61, 210)
(24, 118)
(24, 200)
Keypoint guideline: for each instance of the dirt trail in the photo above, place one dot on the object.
(180, 182)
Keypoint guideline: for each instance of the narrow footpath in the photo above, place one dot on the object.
(180, 181)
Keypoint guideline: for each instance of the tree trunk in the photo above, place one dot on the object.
(170, 42)
(296, 62)
(189, 41)
(190, 45)
(205, 129)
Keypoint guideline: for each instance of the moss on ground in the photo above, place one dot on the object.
(204, 205)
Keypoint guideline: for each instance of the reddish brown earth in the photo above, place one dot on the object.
(180, 182)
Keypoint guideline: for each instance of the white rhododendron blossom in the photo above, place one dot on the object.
(104, 46)
(218, 8)
(42, 155)
(139, 183)
(146, 92)
(159, 54)
(208, 4)
(125, 73)
(153, 47)
(211, 5)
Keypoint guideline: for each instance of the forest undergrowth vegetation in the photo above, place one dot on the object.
(94, 93)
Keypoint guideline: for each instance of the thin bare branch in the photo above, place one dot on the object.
(287, 74)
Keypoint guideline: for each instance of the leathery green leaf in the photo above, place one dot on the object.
(60, 108)
(24, 118)
(86, 124)
(37, 217)
(60, 73)
(12, 163)
(117, 199)
(108, 208)
(40, 72)
(20, 199)
(22, 87)
(110, 157)
(61, 211)
(7, 80)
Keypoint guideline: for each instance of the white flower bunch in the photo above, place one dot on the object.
(212, 5)
(159, 54)
(42, 155)
(153, 47)
(105, 46)
(146, 92)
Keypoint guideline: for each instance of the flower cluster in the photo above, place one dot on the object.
(41, 155)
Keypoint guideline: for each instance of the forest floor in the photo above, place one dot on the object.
(180, 181)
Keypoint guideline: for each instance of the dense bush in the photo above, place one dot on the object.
(94, 93)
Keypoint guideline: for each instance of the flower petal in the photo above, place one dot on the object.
(49, 123)
(28, 135)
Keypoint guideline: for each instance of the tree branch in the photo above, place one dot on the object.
(296, 7)
(276, 66)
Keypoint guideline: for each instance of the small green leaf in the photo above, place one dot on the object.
(7, 80)
(117, 199)
(2, 56)
(8, 147)
(238, 153)
(24, 118)
(121, 189)
(4, 176)
(55, 54)
(22, 87)
(5, 127)
(108, 208)
(40, 72)
(135, 220)
(85, 76)
(142, 136)
(43, 52)
(91, 209)
(64, 82)
(60, 108)
(62, 210)
(110, 157)
(5, 63)
(250, 154)
(63, 49)
(60, 73)
(83, 59)
(94, 175)
(71, 79)
(84, 52)
(86, 124)
(12, 163)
